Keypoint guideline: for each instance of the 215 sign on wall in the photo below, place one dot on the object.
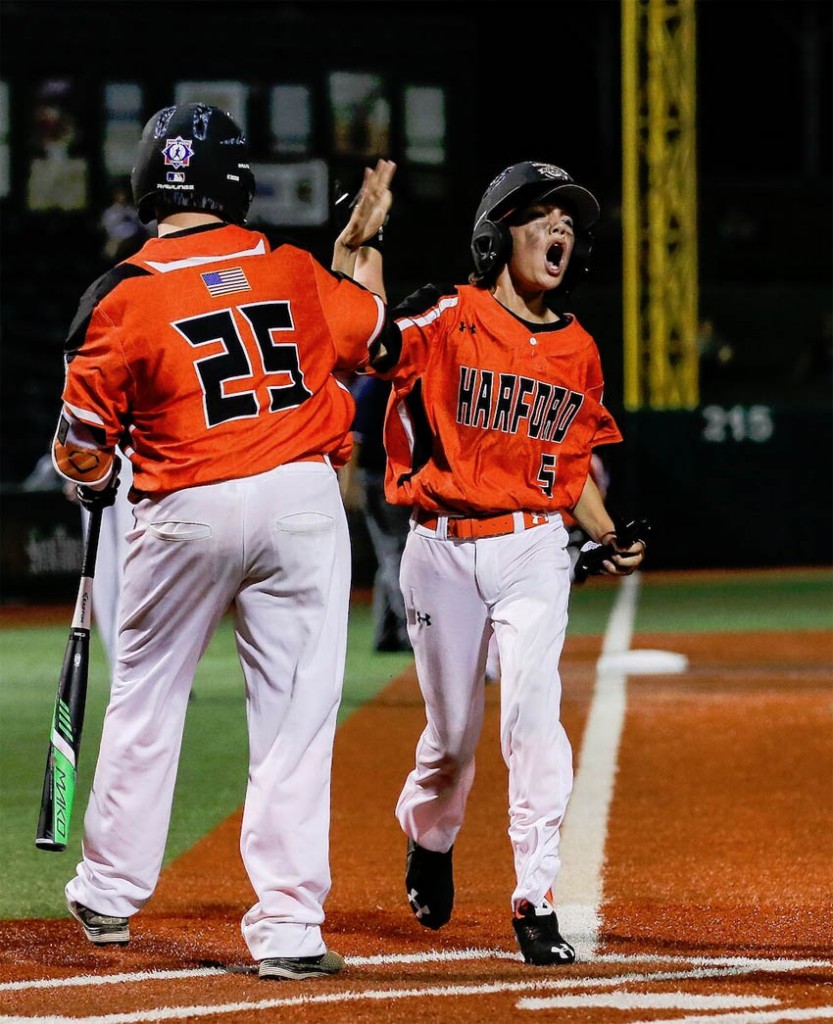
(739, 423)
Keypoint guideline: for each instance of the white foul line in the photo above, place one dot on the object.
(644, 1001)
(747, 963)
(83, 980)
(428, 992)
(429, 956)
(578, 890)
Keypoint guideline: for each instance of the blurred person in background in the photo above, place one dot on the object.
(387, 525)
(124, 233)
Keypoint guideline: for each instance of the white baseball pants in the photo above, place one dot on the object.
(276, 546)
(453, 590)
(116, 522)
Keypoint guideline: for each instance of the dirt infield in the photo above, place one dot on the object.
(717, 881)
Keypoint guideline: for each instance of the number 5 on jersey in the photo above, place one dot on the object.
(546, 473)
(233, 363)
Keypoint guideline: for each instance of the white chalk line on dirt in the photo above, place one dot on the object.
(719, 971)
(82, 980)
(429, 956)
(644, 1001)
(578, 889)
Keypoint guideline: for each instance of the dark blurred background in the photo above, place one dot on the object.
(454, 92)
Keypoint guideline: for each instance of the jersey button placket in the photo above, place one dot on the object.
(533, 342)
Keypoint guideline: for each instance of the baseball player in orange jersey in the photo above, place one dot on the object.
(497, 407)
(210, 356)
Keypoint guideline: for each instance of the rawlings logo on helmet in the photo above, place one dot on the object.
(551, 171)
(193, 156)
(178, 152)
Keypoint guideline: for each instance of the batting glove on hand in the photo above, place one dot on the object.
(105, 496)
(592, 556)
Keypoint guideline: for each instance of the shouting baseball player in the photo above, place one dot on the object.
(497, 407)
(209, 356)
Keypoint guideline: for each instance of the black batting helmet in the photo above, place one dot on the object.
(516, 188)
(193, 157)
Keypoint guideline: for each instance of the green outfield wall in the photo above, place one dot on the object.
(723, 486)
(729, 485)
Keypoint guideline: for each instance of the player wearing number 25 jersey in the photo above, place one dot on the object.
(214, 355)
(212, 358)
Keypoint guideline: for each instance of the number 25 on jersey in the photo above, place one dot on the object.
(233, 363)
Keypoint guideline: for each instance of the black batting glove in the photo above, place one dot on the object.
(91, 498)
(592, 556)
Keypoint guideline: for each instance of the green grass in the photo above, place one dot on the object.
(206, 793)
(713, 602)
(719, 603)
(212, 773)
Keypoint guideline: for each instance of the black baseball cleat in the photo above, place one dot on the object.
(429, 883)
(296, 968)
(536, 929)
(100, 929)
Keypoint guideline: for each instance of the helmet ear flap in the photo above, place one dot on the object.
(491, 246)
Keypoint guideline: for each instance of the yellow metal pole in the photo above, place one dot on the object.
(659, 204)
(631, 285)
(691, 302)
(657, 209)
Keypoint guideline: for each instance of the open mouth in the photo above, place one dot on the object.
(555, 254)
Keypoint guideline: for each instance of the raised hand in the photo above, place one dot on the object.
(370, 209)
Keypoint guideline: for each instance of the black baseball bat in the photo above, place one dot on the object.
(68, 721)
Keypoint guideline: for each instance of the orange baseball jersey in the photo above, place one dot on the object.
(209, 355)
(490, 413)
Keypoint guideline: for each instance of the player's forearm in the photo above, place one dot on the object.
(344, 258)
(363, 265)
(368, 214)
(368, 271)
(591, 515)
(78, 455)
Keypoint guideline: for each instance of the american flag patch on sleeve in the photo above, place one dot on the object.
(223, 282)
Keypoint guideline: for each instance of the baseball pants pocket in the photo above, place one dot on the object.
(178, 531)
(305, 522)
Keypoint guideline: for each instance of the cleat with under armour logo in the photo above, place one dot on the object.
(429, 883)
(536, 929)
